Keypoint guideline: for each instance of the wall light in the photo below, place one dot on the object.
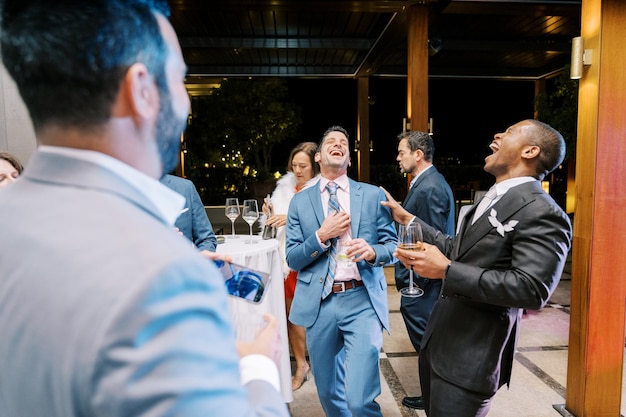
(580, 57)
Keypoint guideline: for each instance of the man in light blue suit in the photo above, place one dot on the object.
(104, 309)
(193, 221)
(342, 304)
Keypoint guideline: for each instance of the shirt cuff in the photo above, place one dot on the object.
(259, 367)
(322, 244)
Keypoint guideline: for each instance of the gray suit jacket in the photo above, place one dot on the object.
(105, 310)
(369, 220)
(496, 272)
(193, 222)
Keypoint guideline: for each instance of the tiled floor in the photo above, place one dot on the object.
(539, 372)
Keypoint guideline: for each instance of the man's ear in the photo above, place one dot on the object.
(531, 151)
(318, 157)
(139, 95)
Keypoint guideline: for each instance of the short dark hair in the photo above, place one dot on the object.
(335, 128)
(12, 160)
(419, 140)
(68, 57)
(309, 148)
(552, 146)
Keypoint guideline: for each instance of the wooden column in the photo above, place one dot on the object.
(417, 67)
(363, 129)
(596, 342)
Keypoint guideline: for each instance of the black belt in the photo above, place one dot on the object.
(343, 286)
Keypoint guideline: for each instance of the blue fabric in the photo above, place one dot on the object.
(333, 207)
(193, 222)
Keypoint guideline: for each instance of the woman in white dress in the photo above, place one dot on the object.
(302, 172)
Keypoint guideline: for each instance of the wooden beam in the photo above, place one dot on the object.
(363, 129)
(417, 67)
(596, 342)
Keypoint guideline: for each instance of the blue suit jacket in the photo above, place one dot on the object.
(193, 222)
(370, 221)
(105, 310)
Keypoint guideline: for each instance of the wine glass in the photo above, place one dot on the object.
(250, 214)
(232, 212)
(410, 238)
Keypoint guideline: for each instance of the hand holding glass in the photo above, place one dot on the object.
(250, 215)
(232, 212)
(410, 238)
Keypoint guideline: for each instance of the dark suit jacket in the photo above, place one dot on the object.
(431, 199)
(496, 272)
(193, 222)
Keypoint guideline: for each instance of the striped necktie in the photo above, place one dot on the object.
(333, 207)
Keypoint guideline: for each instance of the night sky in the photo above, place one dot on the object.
(466, 113)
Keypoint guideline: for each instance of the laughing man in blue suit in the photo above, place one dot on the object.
(342, 305)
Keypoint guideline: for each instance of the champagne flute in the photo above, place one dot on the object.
(410, 238)
(232, 212)
(250, 215)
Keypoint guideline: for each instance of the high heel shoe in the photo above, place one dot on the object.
(301, 376)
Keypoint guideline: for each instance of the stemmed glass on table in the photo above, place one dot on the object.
(410, 238)
(250, 214)
(232, 212)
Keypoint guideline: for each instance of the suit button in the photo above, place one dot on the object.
(314, 254)
(321, 280)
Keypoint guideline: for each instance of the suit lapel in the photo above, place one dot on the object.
(315, 198)
(513, 201)
(356, 203)
(417, 182)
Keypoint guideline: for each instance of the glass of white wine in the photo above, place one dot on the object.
(250, 214)
(232, 212)
(410, 238)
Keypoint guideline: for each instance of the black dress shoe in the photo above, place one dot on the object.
(413, 402)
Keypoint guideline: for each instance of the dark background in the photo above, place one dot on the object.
(466, 113)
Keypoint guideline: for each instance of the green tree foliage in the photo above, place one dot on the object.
(558, 106)
(232, 133)
(242, 121)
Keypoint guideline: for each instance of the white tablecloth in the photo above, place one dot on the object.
(263, 256)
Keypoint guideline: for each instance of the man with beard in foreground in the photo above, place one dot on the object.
(104, 309)
(508, 255)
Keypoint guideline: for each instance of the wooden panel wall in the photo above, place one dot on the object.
(596, 344)
(417, 70)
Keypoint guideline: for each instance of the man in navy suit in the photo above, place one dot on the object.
(430, 198)
(508, 256)
(341, 303)
(193, 221)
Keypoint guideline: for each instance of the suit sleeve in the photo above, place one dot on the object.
(170, 350)
(201, 228)
(387, 236)
(301, 250)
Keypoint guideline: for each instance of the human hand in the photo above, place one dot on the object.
(214, 256)
(267, 341)
(358, 250)
(277, 220)
(428, 263)
(400, 215)
(334, 225)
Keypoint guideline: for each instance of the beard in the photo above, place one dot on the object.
(169, 127)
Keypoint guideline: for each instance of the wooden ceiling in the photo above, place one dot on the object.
(525, 39)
